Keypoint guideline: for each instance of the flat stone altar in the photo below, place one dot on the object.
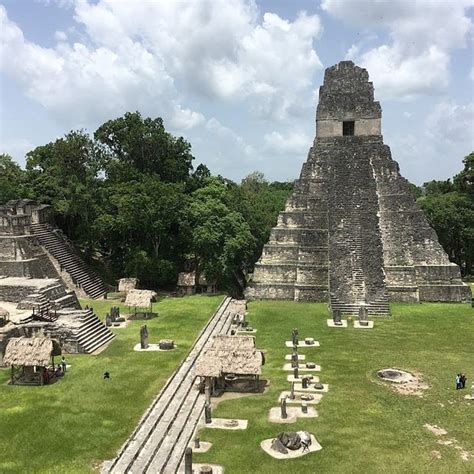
(266, 445)
(152, 348)
(291, 378)
(227, 424)
(302, 344)
(358, 325)
(316, 397)
(310, 388)
(302, 368)
(300, 357)
(332, 324)
(274, 415)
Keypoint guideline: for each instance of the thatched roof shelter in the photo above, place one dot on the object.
(230, 355)
(187, 279)
(140, 298)
(30, 351)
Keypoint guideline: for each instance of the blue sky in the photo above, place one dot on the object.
(238, 78)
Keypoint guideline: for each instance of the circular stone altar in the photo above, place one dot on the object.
(395, 375)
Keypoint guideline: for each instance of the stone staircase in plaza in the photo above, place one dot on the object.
(57, 246)
(92, 333)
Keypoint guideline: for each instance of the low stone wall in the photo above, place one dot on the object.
(446, 293)
(14, 293)
(273, 291)
(403, 294)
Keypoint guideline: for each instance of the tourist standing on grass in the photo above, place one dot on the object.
(458, 381)
(463, 380)
(63, 364)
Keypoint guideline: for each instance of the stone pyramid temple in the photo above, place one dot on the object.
(351, 233)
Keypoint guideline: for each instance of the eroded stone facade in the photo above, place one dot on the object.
(351, 232)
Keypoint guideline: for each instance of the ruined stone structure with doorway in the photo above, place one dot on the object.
(351, 233)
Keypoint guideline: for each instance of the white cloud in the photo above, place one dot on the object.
(60, 36)
(292, 142)
(435, 150)
(452, 123)
(471, 74)
(422, 32)
(155, 56)
(185, 119)
(226, 136)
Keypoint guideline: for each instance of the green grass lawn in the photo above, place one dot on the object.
(363, 426)
(72, 425)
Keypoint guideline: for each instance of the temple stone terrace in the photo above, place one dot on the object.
(352, 233)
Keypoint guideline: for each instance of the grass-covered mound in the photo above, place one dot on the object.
(363, 426)
(81, 420)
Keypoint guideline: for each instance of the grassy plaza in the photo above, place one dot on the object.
(73, 425)
(363, 425)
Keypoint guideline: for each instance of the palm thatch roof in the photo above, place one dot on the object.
(140, 298)
(230, 355)
(30, 351)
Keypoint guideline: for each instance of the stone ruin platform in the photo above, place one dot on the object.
(302, 368)
(300, 357)
(302, 344)
(299, 388)
(16, 315)
(266, 445)
(152, 348)
(223, 424)
(204, 447)
(274, 415)
(291, 378)
(317, 397)
(331, 323)
(357, 325)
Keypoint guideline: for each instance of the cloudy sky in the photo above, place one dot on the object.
(239, 78)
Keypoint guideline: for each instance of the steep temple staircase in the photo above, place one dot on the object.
(69, 261)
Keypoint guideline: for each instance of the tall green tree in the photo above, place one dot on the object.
(136, 145)
(64, 173)
(449, 208)
(13, 183)
(221, 242)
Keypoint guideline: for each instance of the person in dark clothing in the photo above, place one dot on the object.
(463, 380)
(106, 375)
